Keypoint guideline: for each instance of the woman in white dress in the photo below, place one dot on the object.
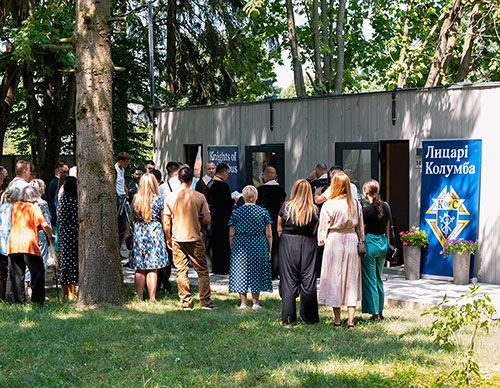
(340, 229)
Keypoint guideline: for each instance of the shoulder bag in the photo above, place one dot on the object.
(361, 244)
(392, 250)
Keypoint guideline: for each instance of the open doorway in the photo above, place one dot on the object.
(258, 157)
(395, 185)
(193, 156)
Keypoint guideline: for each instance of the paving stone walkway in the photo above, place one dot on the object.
(408, 294)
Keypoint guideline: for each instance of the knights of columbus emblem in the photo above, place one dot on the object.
(446, 215)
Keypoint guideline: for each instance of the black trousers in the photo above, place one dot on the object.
(17, 269)
(164, 274)
(298, 277)
(4, 271)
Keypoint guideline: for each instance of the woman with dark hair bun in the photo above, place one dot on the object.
(67, 215)
(376, 217)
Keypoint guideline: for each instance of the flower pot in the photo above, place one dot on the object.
(412, 261)
(461, 267)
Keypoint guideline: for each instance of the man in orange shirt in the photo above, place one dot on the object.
(26, 220)
(188, 210)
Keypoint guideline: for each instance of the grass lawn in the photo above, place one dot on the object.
(159, 346)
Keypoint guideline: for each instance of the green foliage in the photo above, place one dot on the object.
(459, 246)
(415, 237)
(48, 22)
(132, 132)
(469, 310)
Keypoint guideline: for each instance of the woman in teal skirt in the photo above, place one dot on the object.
(376, 217)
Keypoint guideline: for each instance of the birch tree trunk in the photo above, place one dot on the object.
(445, 45)
(468, 43)
(327, 61)
(101, 279)
(403, 64)
(317, 50)
(298, 75)
(339, 68)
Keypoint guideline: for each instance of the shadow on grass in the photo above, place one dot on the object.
(157, 344)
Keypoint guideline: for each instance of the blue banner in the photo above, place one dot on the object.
(229, 155)
(449, 206)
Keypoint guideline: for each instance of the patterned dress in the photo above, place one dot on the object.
(67, 216)
(149, 250)
(250, 265)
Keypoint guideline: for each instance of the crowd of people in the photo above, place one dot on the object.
(322, 231)
(29, 225)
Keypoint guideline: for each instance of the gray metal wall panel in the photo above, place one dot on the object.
(309, 129)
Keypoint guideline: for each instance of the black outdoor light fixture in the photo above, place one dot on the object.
(394, 105)
(271, 116)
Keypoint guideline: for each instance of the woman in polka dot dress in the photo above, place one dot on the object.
(250, 238)
(67, 214)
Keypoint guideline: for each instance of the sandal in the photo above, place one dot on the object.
(285, 325)
(337, 325)
(350, 327)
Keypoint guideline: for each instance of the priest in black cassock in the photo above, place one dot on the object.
(221, 204)
(271, 197)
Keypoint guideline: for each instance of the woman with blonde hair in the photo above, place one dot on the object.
(377, 216)
(149, 250)
(250, 239)
(297, 223)
(340, 230)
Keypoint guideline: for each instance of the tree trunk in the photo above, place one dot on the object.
(424, 45)
(12, 74)
(298, 75)
(8, 88)
(445, 45)
(4, 11)
(327, 62)
(403, 65)
(47, 122)
(171, 46)
(317, 50)
(339, 68)
(468, 43)
(101, 279)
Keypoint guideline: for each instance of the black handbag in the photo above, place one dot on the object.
(392, 249)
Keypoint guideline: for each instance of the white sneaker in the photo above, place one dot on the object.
(243, 306)
(256, 307)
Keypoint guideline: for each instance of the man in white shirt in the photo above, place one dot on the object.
(172, 184)
(121, 194)
(319, 198)
(23, 173)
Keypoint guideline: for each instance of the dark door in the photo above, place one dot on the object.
(258, 157)
(395, 185)
(359, 161)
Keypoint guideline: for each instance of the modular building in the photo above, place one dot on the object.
(372, 135)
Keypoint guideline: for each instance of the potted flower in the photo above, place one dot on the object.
(460, 251)
(413, 241)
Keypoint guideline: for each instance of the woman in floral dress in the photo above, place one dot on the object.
(149, 250)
